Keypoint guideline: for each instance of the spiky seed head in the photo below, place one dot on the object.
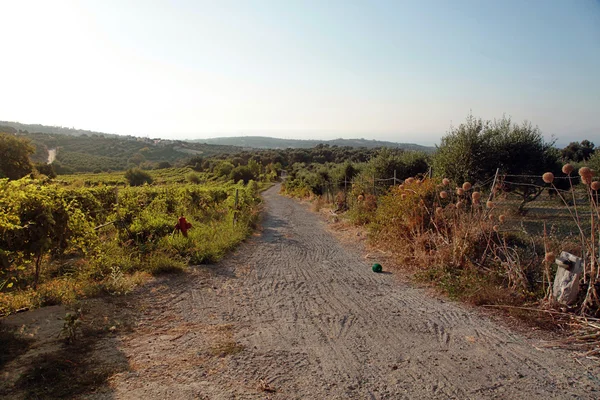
(568, 169)
(502, 218)
(548, 177)
(489, 204)
(467, 186)
(476, 196)
(496, 228)
(443, 194)
(549, 257)
(460, 191)
(445, 181)
(595, 185)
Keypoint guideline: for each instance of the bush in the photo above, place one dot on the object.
(137, 177)
(193, 177)
(242, 173)
(164, 165)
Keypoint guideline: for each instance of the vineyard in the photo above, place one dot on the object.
(82, 236)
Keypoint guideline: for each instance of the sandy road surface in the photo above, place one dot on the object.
(299, 312)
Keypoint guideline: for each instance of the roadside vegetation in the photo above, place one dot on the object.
(483, 219)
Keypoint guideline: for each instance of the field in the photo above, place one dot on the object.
(83, 235)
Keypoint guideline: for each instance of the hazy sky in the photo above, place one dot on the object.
(394, 70)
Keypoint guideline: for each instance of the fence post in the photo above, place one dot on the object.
(235, 210)
(394, 177)
(494, 184)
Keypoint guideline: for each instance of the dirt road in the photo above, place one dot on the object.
(294, 314)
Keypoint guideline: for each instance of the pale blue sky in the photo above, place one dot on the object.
(393, 70)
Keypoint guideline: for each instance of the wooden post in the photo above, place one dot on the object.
(494, 184)
(345, 191)
(394, 177)
(235, 208)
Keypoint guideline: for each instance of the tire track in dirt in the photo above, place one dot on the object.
(313, 322)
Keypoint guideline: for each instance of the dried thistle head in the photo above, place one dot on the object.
(568, 169)
(549, 257)
(361, 197)
(439, 210)
(445, 181)
(595, 185)
(403, 196)
(584, 171)
(491, 217)
(502, 218)
(401, 187)
(489, 204)
(459, 204)
(410, 180)
(443, 194)
(496, 228)
(548, 177)
(467, 186)
(476, 196)
(460, 191)
(586, 175)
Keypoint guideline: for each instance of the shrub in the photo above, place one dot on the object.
(137, 177)
(193, 177)
(242, 173)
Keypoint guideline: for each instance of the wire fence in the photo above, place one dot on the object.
(527, 203)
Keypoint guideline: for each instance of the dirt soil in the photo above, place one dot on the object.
(297, 314)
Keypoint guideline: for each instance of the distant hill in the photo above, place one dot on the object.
(263, 142)
(30, 128)
(78, 150)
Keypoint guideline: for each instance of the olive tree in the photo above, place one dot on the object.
(14, 156)
(476, 149)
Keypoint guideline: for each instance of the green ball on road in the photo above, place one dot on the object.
(377, 268)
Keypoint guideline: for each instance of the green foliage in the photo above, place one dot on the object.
(36, 219)
(45, 169)
(161, 263)
(92, 151)
(223, 168)
(578, 152)
(137, 177)
(193, 177)
(242, 173)
(47, 233)
(14, 156)
(473, 151)
(163, 165)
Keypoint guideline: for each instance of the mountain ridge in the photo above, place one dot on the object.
(266, 142)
